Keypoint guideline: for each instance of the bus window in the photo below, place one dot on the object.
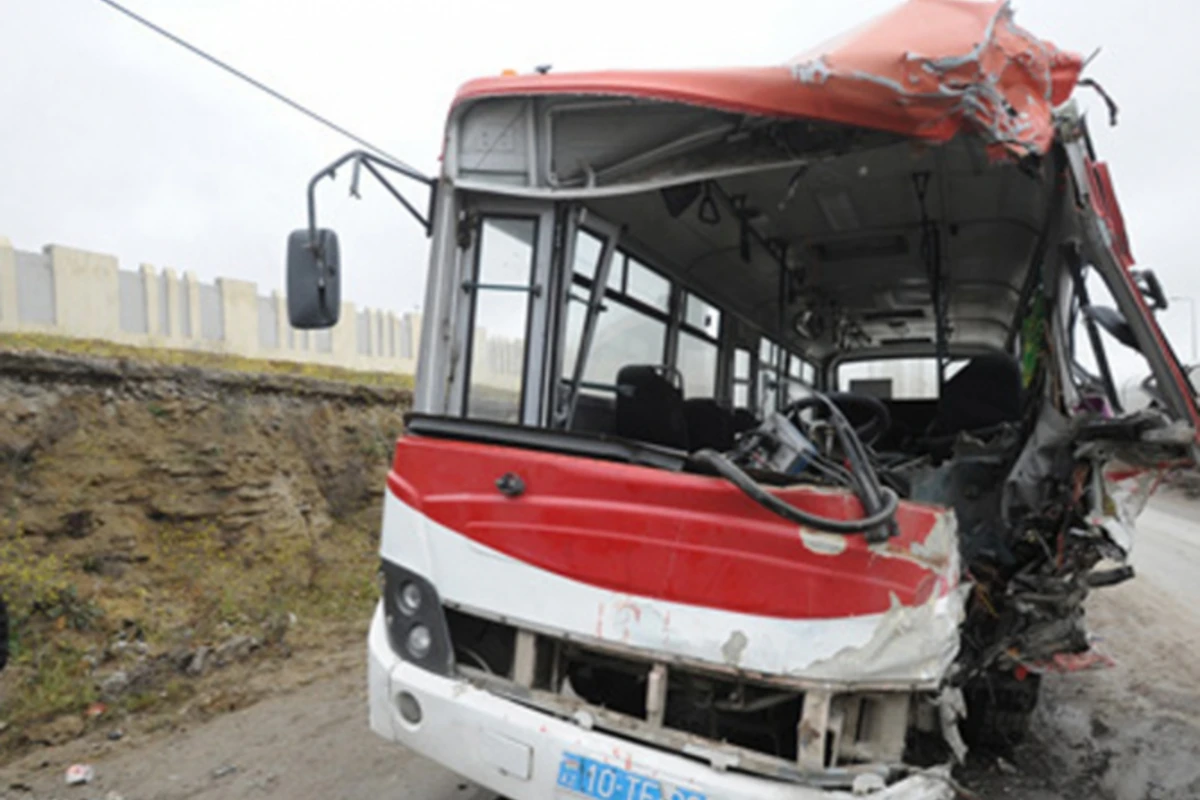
(894, 378)
(499, 318)
(702, 317)
(741, 378)
(647, 286)
(698, 349)
(631, 329)
(588, 248)
(697, 362)
(800, 375)
(768, 376)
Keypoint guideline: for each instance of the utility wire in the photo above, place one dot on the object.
(328, 123)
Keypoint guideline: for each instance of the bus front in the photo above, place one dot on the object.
(749, 455)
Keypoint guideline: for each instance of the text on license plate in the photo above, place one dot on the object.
(606, 782)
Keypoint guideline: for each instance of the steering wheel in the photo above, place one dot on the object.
(869, 416)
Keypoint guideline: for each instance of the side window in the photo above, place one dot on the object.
(698, 347)
(768, 376)
(800, 375)
(500, 317)
(647, 286)
(632, 326)
(588, 249)
(741, 378)
(624, 336)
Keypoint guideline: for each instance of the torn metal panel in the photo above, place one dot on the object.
(929, 69)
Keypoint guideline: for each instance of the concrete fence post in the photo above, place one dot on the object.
(192, 331)
(87, 298)
(377, 346)
(239, 302)
(149, 278)
(173, 330)
(8, 285)
(415, 320)
(345, 337)
(282, 323)
(390, 343)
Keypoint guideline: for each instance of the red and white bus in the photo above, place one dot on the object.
(766, 438)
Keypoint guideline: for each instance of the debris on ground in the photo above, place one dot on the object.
(225, 771)
(78, 774)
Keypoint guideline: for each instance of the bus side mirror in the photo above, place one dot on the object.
(314, 296)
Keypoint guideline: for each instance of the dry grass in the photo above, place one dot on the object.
(197, 358)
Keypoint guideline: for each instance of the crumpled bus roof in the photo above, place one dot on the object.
(928, 69)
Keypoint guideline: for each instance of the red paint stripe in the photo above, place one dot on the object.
(653, 533)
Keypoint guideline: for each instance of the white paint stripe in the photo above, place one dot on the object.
(905, 644)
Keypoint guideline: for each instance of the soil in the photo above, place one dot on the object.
(161, 525)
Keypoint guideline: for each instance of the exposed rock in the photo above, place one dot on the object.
(198, 662)
(114, 685)
(236, 649)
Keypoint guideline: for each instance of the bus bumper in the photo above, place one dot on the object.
(519, 752)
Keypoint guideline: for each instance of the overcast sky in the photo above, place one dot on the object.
(113, 139)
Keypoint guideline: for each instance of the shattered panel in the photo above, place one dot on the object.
(930, 69)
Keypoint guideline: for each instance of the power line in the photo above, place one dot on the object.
(255, 83)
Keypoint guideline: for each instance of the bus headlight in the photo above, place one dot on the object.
(419, 641)
(416, 626)
(410, 598)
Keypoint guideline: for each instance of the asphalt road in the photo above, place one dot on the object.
(1123, 734)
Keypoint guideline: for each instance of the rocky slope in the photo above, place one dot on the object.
(161, 525)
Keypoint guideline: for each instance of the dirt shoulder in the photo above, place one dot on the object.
(310, 743)
(167, 530)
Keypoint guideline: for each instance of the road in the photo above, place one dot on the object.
(1128, 733)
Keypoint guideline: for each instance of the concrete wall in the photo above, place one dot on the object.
(70, 292)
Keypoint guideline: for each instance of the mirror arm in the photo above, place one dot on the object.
(371, 162)
(421, 218)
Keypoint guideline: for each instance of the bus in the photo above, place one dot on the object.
(766, 437)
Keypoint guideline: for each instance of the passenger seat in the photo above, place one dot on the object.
(984, 393)
(650, 407)
(708, 424)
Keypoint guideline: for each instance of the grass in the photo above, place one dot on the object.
(50, 680)
(19, 342)
(203, 592)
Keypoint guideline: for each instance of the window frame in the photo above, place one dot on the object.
(472, 314)
(463, 306)
(620, 260)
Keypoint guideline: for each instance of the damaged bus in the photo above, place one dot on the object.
(766, 437)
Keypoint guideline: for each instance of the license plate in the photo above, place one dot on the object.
(601, 781)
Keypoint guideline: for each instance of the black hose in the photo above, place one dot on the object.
(731, 472)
